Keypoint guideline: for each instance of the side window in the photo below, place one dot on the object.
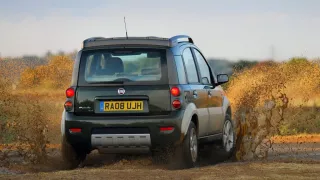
(203, 66)
(190, 66)
(180, 69)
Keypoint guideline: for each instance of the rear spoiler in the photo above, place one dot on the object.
(151, 40)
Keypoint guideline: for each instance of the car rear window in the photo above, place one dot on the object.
(123, 66)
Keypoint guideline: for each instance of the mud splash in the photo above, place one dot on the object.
(260, 97)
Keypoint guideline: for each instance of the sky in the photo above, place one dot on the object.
(230, 29)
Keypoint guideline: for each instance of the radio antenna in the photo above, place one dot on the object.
(125, 26)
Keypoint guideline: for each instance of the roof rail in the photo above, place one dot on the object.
(175, 39)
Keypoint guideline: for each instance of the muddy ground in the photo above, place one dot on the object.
(226, 171)
(285, 161)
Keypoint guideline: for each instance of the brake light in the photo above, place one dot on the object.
(70, 92)
(175, 91)
(68, 105)
(176, 104)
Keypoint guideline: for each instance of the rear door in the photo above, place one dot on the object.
(215, 100)
(123, 82)
(199, 93)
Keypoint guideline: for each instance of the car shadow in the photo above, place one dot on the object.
(211, 155)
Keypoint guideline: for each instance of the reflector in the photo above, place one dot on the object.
(176, 104)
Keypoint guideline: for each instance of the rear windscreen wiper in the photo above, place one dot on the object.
(116, 81)
(107, 82)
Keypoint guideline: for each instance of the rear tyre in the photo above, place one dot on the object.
(186, 155)
(228, 137)
(71, 157)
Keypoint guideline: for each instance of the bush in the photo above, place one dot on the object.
(60, 71)
(29, 78)
(4, 94)
(243, 64)
(57, 74)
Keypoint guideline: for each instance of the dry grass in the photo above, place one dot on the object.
(298, 79)
(301, 138)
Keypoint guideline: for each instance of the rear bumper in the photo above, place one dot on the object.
(123, 134)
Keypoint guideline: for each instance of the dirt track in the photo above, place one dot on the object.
(286, 161)
(221, 171)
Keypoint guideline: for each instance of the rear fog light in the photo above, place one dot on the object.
(164, 129)
(75, 130)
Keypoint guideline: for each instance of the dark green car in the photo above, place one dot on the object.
(144, 95)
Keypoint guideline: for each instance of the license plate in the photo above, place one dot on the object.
(107, 106)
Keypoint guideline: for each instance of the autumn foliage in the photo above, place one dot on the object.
(56, 74)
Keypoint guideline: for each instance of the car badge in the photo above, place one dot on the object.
(121, 91)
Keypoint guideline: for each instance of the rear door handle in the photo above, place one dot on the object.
(195, 94)
(209, 93)
(209, 87)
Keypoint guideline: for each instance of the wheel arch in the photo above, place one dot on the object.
(226, 106)
(195, 120)
(228, 111)
(190, 115)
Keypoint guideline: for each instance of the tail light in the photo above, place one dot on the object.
(68, 105)
(176, 104)
(70, 92)
(175, 91)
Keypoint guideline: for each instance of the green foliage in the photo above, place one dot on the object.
(298, 60)
(243, 64)
(285, 130)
